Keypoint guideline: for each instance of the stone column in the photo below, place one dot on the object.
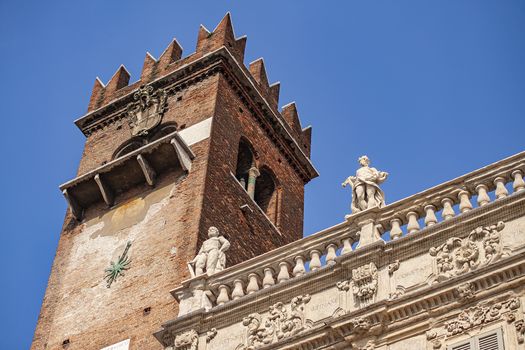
(253, 173)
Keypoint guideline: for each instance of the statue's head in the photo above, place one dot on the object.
(364, 161)
(213, 232)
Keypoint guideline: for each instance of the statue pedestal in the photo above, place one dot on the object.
(365, 221)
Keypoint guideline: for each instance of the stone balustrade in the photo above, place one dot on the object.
(430, 208)
(452, 198)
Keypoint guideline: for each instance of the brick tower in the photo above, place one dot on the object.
(195, 142)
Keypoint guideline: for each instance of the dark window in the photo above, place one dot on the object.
(266, 193)
(245, 160)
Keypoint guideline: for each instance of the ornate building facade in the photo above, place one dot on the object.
(184, 230)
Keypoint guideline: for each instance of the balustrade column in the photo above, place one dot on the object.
(315, 261)
(268, 279)
(331, 253)
(223, 294)
(430, 215)
(253, 173)
(501, 190)
(483, 196)
(238, 289)
(347, 246)
(464, 201)
(413, 225)
(299, 269)
(253, 283)
(519, 184)
(395, 231)
(448, 209)
(283, 275)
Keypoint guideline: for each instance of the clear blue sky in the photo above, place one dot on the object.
(429, 90)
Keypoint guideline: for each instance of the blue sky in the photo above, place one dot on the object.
(429, 90)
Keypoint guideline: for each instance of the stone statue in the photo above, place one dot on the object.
(365, 186)
(211, 255)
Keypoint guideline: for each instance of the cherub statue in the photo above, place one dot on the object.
(365, 186)
(211, 256)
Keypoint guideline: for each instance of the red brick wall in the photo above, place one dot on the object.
(77, 305)
(250, 234)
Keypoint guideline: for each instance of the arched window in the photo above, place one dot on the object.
(245, 160)
(128, 147)
(139, 141)
(266, 193)
(162, 131)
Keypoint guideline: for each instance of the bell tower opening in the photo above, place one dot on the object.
(245, 161)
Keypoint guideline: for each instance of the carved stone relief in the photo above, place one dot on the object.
(364, 283)
(279, 324)
(393, 267)
(188, 340)
(433, 339)
(479, 315)
(465, 292)
(520, 331)
(146, 111)
(211, 334)
(460, 255)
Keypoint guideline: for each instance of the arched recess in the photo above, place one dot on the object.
(128, 147)
(162, 130)
(267, 193)
(139, 141)
(245, 161)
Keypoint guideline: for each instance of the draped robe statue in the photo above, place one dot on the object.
(211, 256)
(365, 186)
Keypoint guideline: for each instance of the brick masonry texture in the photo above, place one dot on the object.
(166, 224)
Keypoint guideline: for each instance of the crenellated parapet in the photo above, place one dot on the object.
(434, 266)
(218, 52)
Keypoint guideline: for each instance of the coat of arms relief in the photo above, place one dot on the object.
(147, 109)
(460, 255)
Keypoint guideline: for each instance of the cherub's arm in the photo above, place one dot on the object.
(225, 244)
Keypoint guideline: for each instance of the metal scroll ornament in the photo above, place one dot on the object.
(146, 111)
(117, 269)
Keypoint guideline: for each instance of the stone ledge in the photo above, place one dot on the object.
(143, 165)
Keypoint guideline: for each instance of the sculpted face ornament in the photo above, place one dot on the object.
(365, 187)
(211, 257)
(146, 111)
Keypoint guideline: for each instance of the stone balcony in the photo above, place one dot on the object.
(407, 264)
(143, 165)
